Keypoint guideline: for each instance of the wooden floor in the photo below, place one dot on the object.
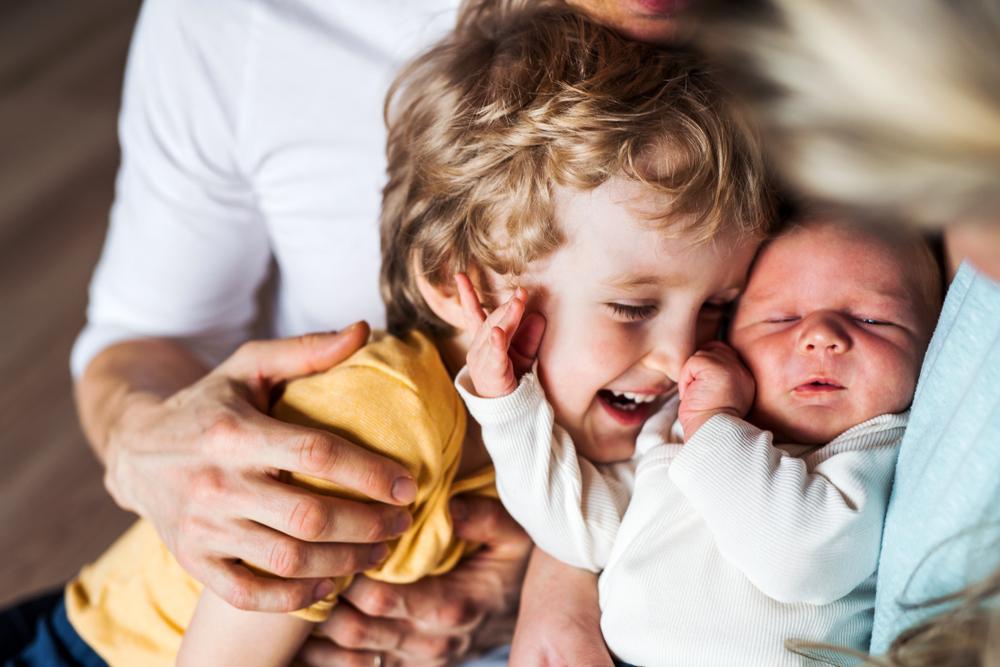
(61, 65)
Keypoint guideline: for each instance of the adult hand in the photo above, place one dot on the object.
(437, 620)
(201, 465)
(560, 621)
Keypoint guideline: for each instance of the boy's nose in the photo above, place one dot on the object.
(823, 332)
(667, 357)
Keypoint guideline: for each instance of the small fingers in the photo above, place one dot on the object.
(511, 312)
(472, 309)
(528, 337)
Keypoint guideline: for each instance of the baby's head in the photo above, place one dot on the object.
(833, 325)
(538, 148)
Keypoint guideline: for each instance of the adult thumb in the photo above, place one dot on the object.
(288, 358)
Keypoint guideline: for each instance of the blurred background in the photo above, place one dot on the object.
(61, 64)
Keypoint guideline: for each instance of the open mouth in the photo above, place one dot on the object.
(625, 400)
(627, 408)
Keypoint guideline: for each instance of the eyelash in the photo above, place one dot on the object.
(862, 320)
(631, 313)
(872, 322)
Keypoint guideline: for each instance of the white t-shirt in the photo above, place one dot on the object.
(250, 130)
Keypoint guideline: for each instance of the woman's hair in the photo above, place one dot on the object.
(525, 96)
(965, 634)
(889, 105)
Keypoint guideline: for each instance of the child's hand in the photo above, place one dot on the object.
(713, 381)
(504, 344)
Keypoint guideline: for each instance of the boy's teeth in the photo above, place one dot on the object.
(638, 398)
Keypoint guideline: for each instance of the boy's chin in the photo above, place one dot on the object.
(610, 450)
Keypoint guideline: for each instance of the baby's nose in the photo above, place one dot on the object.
(823, 332)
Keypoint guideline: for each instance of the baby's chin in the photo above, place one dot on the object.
(802, 428)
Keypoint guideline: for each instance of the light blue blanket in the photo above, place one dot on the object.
(942, 529)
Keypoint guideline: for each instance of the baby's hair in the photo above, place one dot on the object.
(519, 99)
(922, 248)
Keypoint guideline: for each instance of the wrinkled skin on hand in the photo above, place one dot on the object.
(439, 620)
(201, 466)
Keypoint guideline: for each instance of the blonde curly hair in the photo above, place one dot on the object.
(523, 96)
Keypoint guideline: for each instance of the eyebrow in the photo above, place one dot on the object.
(626, 280)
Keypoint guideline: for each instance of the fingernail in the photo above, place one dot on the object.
(378, 554)
(402, 523)
(352, 327)
(323, 589)
(459, 512)
(404, 490)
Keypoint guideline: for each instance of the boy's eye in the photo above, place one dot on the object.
(631, 312)
(781, 319)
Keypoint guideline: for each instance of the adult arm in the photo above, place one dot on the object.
(571, 508)
(560, 621)
(802, 530)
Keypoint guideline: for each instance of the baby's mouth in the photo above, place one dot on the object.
(820, 385)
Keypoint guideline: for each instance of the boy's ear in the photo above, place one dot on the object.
(443, 300)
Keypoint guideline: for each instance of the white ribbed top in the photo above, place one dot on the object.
(712, 552)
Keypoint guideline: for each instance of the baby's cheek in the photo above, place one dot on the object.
(894, 381)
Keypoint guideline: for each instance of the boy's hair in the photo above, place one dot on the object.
(518, 99)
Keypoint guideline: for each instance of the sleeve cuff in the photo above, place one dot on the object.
(521, 402)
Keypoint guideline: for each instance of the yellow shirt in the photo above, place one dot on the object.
(394, 397)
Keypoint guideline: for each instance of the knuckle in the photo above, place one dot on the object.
(379, 601)
(223, 432)
(454, 612)
(351, 633)
(435, 647)
(309, 518)
(295, 597)
(380, 527)
(248, 350)
(239, 594)
(354, 559)
(206, 487)
(373, 479)
(286, 558)
(316, 454)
